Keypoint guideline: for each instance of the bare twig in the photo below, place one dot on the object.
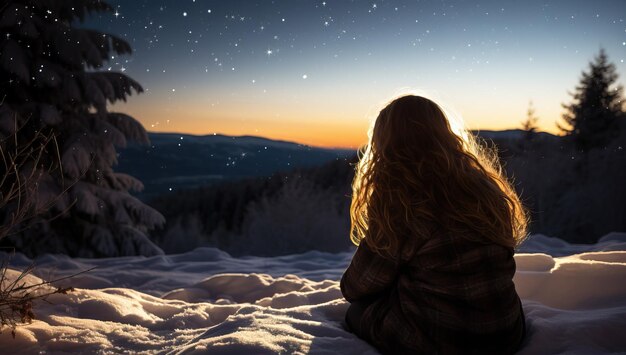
(20, 181)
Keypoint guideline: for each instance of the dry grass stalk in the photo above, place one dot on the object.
(17, 295)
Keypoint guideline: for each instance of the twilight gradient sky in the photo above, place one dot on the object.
(317, 72)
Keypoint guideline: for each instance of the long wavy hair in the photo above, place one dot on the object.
(416, 173)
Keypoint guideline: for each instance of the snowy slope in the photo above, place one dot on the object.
(205, 301)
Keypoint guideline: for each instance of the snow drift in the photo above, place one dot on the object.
(205, 301)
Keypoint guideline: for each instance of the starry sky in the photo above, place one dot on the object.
(317, 72)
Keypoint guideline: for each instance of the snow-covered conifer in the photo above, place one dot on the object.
(597, 111)
(52, 83)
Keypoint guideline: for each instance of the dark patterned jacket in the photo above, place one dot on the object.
(443, 295)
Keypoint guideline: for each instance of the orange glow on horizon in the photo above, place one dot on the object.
(339, 136)
(330, 125)
(336, 136)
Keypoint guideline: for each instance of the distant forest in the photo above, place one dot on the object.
(285, 213)
(573, 195)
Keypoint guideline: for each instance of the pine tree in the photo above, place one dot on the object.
(530, 124)
(594, 116)
(52, 85)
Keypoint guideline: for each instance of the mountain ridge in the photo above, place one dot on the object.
(173, 160)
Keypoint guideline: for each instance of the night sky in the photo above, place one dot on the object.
(317, 72)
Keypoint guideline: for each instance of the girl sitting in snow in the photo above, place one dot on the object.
(436, 224)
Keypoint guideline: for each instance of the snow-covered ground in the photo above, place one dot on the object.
(205, 301)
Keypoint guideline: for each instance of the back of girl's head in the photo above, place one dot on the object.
(417, 173)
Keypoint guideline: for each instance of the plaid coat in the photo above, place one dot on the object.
(445, 295)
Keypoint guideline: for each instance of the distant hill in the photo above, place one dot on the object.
(511, 134)
(183, 161)
(174, 161)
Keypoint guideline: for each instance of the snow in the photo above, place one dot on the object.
(205, 301)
